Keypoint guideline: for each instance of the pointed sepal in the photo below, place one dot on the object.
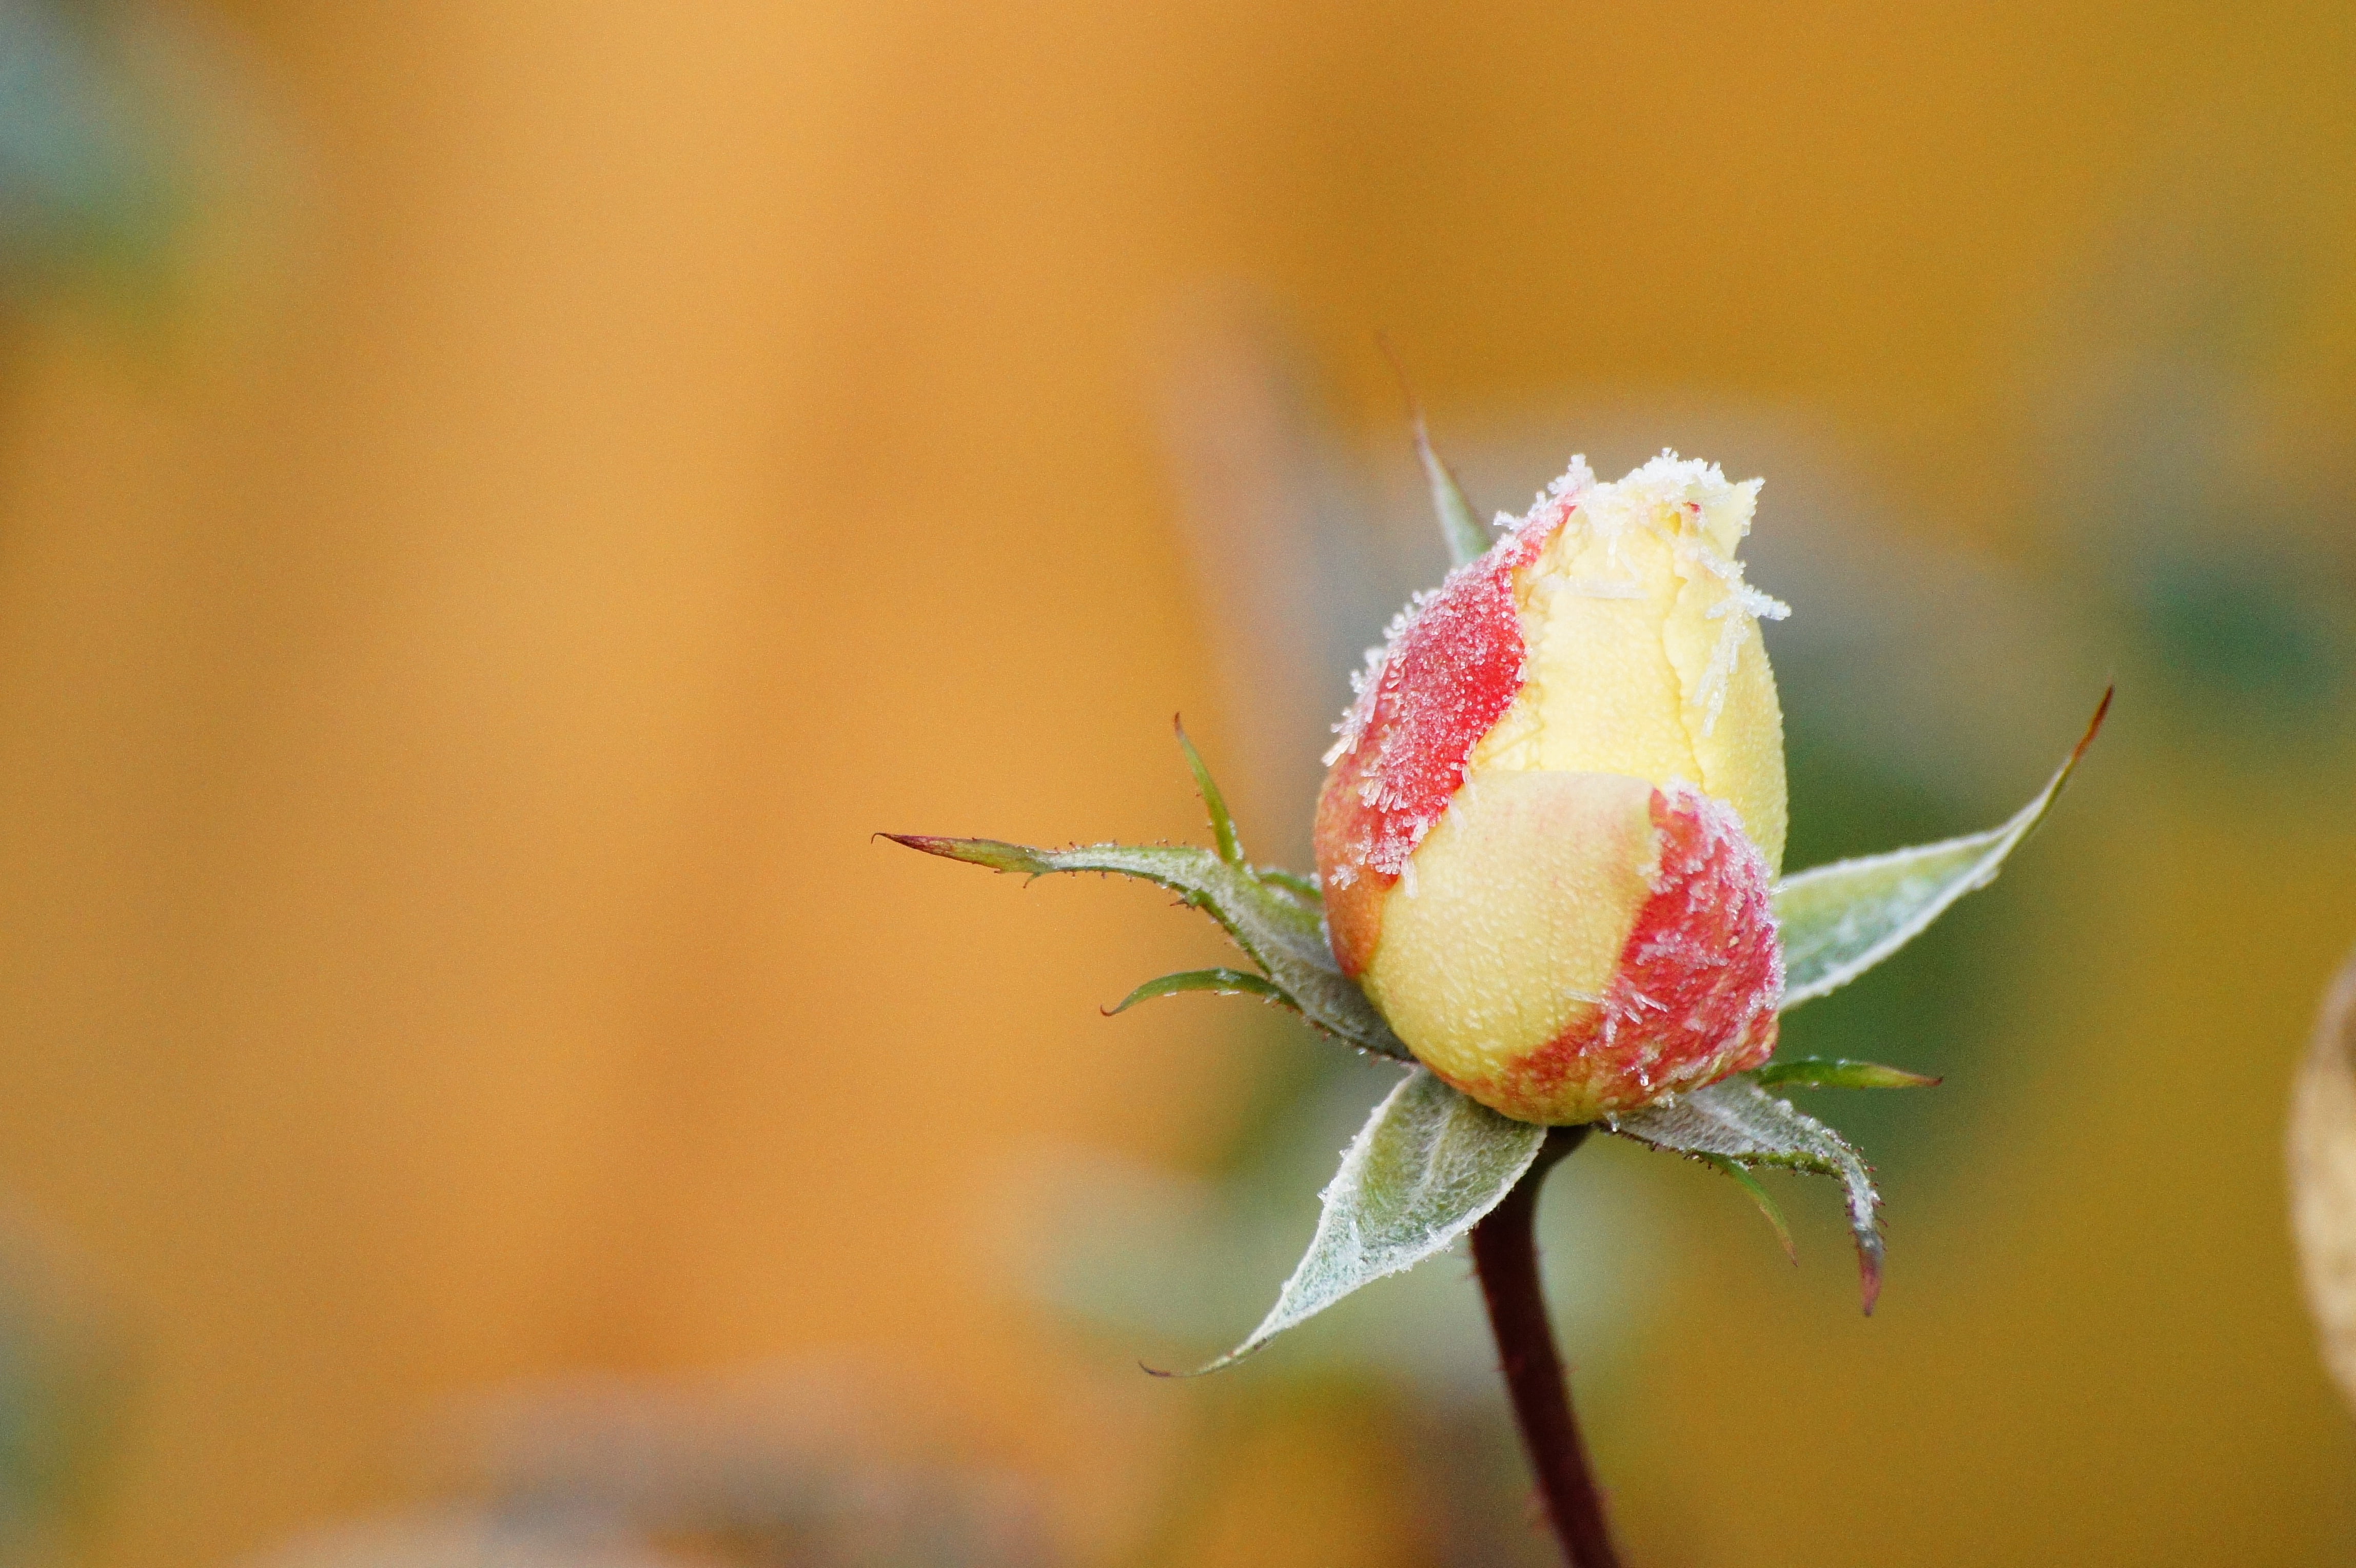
(1279, 927)
(1460, 525)
(1833, 1072)
(1759, 1194)
(1837, 922)
(1218, 982)
(1222, 826)
(1429, 1164)
(1737, 1122)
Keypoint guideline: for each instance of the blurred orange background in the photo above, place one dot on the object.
(536, 487)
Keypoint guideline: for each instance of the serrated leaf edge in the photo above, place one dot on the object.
(1998, 844)
(1846, 1164)
(1289, 948)
(1355, 1160)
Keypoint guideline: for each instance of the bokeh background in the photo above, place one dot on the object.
(498, 501)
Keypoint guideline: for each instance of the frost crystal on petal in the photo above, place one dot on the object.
(1352, 726)
(1520, 661)
(1691, 507)
(1742, 603)
(1451, 661)
(1690, 997)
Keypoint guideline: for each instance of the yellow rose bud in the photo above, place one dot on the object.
(1549, 835)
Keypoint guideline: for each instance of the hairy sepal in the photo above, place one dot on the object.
(1272, 917)
(1740, 1123)
(1427, 1164)
(1839, 920)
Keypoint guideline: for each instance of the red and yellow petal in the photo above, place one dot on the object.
(1549, 837)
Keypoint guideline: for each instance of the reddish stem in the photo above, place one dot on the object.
(1505, 1252)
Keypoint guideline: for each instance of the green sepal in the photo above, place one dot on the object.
(1222, 826)
(1280, 929)
(1831, 1072)
(1759, 1194)
(1460, 526)
(1422, 1171)
(1292, 882)
(1836, 921)
(1737, 1121)
(1468, 540)
(1218, 982)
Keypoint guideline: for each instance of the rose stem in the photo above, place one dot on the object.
(1505, 1252)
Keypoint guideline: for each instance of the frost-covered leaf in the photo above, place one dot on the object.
(1281, 927)
(1759, 1194)
(1427, 1166)
(1739, 1122)
(2323, 1180)
(1830, 1072)
(1837, 922)
(1218, 982)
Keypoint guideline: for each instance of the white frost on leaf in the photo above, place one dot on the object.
(1422, 1173)
(1836, 921)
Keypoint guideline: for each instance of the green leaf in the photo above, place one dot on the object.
(1739, 1122)
(1760, 1196)
(1427, 1166)
(1837, 922)
(1219, 981)
(1828, 1072)
(1282, 930)
(1222, 826)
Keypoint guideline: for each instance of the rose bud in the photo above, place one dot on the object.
(1549, 832)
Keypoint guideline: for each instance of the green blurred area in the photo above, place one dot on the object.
(89, 188)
